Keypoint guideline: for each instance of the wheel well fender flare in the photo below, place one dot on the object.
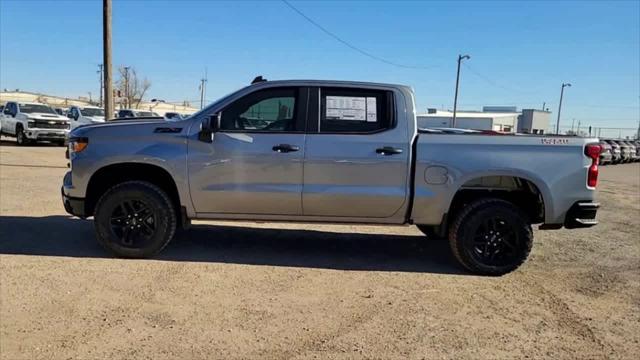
(539, 183)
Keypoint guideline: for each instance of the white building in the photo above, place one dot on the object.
(498, 121)
(533, 121)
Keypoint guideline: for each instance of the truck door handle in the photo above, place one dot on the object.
(285, 148)
(388, 150)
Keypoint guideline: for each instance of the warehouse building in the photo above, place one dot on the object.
(533, 121)
(497, 118)
(477, 120)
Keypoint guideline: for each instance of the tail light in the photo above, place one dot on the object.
(593, 152)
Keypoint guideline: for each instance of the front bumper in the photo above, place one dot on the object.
(582, 214)
(73, 206)
(46, 134)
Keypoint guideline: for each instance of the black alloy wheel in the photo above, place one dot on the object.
(135, 219)
(133, 223)
(495, 242)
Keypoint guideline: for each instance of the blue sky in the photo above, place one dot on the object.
(522, 51)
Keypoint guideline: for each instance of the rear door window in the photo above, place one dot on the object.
(355, 111)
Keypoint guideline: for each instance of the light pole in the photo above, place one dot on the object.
(455, 99)
(101, 82)
(560, 107)
(126, 85)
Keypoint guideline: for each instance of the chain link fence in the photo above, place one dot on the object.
(600, 132)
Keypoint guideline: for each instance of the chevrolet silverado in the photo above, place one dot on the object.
(328, 152)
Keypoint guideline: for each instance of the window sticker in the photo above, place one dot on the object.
(371, 109)
(351, 108)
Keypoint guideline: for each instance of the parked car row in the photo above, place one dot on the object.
(32, 122)
(619, 151)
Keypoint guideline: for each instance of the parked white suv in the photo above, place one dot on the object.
(29, 122)
(134, 113)
(85, 115)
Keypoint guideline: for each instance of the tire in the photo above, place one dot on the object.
(491, 237)
(122, 222)
(21, 139)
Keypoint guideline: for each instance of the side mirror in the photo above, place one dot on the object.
(208, 127)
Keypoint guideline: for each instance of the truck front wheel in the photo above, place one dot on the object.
(134, 219)
(21, 138)
(491, 237)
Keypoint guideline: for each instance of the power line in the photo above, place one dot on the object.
(351, 46)
(490, 81)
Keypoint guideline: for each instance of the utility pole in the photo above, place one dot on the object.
(126, 86)
(203, 89)
(455, 99)
(101, 71)
(106, 44)
(560, 106)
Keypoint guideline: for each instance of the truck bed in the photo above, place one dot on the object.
(445, 163)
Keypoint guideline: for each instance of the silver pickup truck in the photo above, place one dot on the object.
(329, 152)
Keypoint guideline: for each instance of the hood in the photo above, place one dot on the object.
(96, 118)
(119, 128)
(46, 116)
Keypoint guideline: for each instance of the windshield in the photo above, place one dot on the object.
(92, 112)
(36, 108)
(221, 100)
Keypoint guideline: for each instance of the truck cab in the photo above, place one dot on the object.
(85, 115)
(33, 122)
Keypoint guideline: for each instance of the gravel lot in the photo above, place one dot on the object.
(247, 290)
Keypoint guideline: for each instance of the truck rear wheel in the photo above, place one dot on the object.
(491, 237)
(135, 219)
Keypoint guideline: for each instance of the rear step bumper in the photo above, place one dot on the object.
(582, 214)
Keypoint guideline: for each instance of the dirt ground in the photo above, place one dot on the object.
(247, 290)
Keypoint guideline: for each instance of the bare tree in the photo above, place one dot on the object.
(131, 87)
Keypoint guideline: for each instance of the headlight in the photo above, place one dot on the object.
(31, 123)
(78, 144)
